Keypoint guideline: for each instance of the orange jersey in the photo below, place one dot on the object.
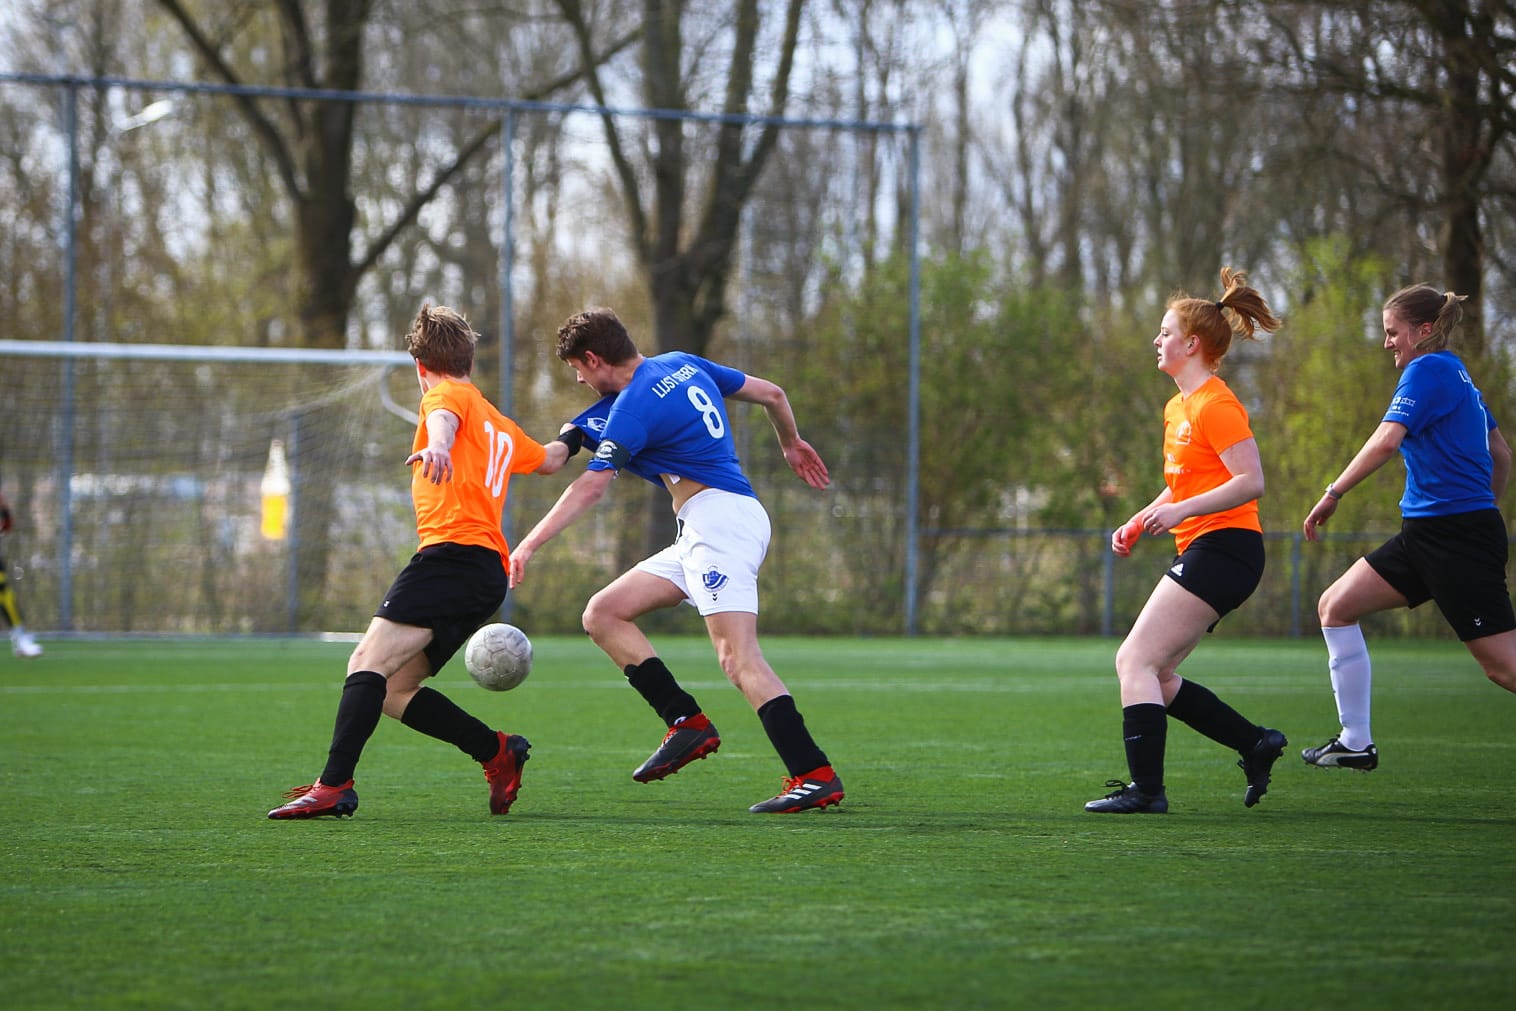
(487, 449)
(1196, 429)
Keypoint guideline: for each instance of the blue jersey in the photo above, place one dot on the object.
(670, 419)
(1446, 448)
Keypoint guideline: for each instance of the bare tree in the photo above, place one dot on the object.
(310, 144)
(686, 247)
(1432, 82)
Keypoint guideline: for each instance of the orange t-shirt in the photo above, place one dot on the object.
(487, 449)
(1196, 429)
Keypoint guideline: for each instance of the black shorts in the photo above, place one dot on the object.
(1222, 568)
(451, 589)
(1458, 561)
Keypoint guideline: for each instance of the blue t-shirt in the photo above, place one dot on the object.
(670, 419)
(1446, 448)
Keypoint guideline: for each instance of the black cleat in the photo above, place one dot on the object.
(691, 738)
(1335, 755)
(816, 789)
(1257, 763)
(1127, 799)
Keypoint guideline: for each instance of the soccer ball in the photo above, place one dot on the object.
(498, 656)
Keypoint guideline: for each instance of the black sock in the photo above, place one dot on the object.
(1197, 706)
(786, 729)
(358, 714)
(436, 715)
(1144, 729)
(656, 684)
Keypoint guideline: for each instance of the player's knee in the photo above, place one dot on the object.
(1128, 662)
(1328, 612)
(597, 617)
(1505, 677)
(735, 660)
(358, 659)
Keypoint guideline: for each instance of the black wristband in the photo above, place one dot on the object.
(573, 439)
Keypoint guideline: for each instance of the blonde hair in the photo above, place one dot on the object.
(1210, 321)
(1419, 304)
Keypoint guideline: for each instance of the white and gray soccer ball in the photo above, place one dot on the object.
(498, 656)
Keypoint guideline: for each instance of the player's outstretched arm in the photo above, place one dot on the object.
(1380, 447)
(799, 454)
(566, 444)
(588, 488)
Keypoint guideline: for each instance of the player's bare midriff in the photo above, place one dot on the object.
(682, 489)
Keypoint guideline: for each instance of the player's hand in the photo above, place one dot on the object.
(1124, 536)
(1161, 519)
(519, 557)
(436, 464)
(1317, 517)
(806, 462)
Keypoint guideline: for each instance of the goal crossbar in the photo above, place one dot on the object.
(202, 353)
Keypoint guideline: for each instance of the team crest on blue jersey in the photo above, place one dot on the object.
(714, 580)
(611, 453)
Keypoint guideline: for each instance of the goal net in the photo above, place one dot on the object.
(203, 490)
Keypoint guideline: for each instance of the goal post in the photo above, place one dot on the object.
(145, 477)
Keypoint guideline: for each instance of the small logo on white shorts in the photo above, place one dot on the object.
(713, 581)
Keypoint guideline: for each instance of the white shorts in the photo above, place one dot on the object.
(723, 538)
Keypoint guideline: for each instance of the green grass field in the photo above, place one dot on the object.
(139, 869)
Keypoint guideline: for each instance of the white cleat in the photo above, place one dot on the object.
(24, 646)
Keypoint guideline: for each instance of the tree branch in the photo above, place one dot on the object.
(263, 128)
(574, 15)
(413, 207)
(421, 198)
(734, 178)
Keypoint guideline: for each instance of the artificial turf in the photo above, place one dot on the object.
(139, 869)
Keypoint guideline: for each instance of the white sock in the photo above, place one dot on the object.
(1352, 675)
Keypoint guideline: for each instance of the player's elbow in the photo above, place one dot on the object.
(1500, 451)
(761, 391)
(591, 485)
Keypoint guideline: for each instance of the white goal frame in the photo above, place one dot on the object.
(70, 351)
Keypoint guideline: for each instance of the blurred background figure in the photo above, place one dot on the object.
(22, 643)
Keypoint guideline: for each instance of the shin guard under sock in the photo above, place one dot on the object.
(1144, 731)
(656, 684)
(435, 715)
(1197, 706)
(358, 714)
(1352, 681)
(786, 729)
